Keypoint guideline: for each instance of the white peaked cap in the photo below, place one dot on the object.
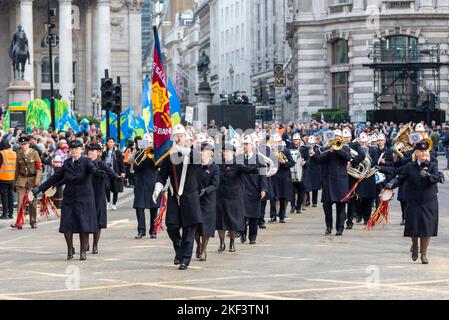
(338, 133)
(311, 140)
(179, 129)
(347, 133)
(255, 137)
(374, 138)
(201, 138)
(419, 128)
(248, 139)
(148, 137)
(235, 142)
(363, 137)
(296, 136)
(210, 141)
(277, 138)
(381, 137)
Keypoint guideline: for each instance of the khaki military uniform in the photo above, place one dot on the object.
(28, 175)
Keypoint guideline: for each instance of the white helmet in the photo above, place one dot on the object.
(201, 138)
(296, 136)
(210, 141)
(179, 129)
(247, 140)
(381, 137)
(312, 140)
(420, 128)
(347, 133)
(374, 138)
(363, 137)
(255, 137)
(338, 133)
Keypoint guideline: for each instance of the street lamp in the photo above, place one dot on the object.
(51, 13)
(94, 100)
(97, 103)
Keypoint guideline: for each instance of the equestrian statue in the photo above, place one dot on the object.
(19, 53)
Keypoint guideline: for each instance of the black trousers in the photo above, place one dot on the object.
(251, 225)
(129, 176)
(366, 206)
(403, 207)
(352, 211)
(298, 195)
(114, 195)
(141, 221)
(263, 208)
(282, 208)
(7, 199)
(183, 244)
(340, 224)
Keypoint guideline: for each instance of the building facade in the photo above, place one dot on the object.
(90, 36)
(332, 44)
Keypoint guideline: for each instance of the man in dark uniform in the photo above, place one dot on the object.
(184, 209)
(334, 177)
(283, 178)
(385, 158)
(355, 161)
(268, 154)
(28, 176)
(254, 190)
(366, 190)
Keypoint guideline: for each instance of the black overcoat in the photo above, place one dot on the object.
(78, 211)
(282, 180)
(115, 185)
(145, 176)
(253, 185)
(311, 170)
(334, 174)
(367, 188)
(208, 177)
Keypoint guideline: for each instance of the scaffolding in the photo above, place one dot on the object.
(406, 77)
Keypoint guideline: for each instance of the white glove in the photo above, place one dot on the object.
(157, 191)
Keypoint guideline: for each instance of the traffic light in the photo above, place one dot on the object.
(117, 106)
(107, 94)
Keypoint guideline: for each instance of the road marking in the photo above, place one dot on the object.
(50, 274)
(118, 222)
(17, 239)
(21, 250)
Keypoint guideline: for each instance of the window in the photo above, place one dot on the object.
(56, 70)
(266, 9)
(45, 73)
(340, 52)
(274, 33)
(403, 87)
(258, 39)
(266, 36)
(237, 34)
(237, 9)
(340, 90)
(258, 13)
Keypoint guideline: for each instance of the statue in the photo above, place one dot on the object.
(19, 53)
(203, 66)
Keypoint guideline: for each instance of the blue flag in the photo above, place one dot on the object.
(147, 108)
(175, 105)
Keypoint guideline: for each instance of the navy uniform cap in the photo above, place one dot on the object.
(95, 146)
(24, 139)
(75, 144)
(422, 146)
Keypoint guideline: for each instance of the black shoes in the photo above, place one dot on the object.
(339, 233)
(33, 226)
(153, 236)
(176, 261)
(231, 247)
(182, 266)
(262, 226)
(83, 256)
(139, 236)
(203, 258)
(70, 254)
(222, 247)
(424, 259)
(292, 210)
(4, 217)
(16, 227)
(252, 242)
(359, 219)
(94, 250)
(273, 219)
(243, 238)
(281, 221)
(298, 211)
(349, 226)
(402, 223)
(414, 251)
(328, 231)
(10, 217)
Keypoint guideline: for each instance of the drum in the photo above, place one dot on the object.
(30, 196)
(386, 195)
(296, 170)
(51, 192)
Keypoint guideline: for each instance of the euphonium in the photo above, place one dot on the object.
(401, 143)
(363, 169)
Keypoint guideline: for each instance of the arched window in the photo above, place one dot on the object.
(340, 51)
(340, 84)
(402, 86)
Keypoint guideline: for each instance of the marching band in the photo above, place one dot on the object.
(224, 185)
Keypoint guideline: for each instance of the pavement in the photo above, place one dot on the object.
(290, 261)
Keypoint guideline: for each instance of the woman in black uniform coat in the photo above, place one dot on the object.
(78, 213)
(145, 177)
(94, 154)
(208, 176)
(422, 177)
(230, 203)
(312, 171)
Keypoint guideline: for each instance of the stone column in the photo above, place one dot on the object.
(372, 6)
(26, 20)
(135, 53)
(358, 6)
(426, 6)
(443, 6)
(103, 30)
(65, 49)
(88, 82)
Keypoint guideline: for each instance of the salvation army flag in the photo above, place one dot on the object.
(162, 127)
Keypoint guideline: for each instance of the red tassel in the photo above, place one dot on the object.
(158, 223)
(21, 215)
(351, 192)
(379, 216)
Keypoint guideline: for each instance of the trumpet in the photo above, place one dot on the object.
(336, 145)
(143, 154)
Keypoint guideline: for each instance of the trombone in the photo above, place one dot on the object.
(143, 154)
(336, 145)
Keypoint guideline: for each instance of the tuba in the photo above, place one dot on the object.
(401, 144)
(363, 169)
